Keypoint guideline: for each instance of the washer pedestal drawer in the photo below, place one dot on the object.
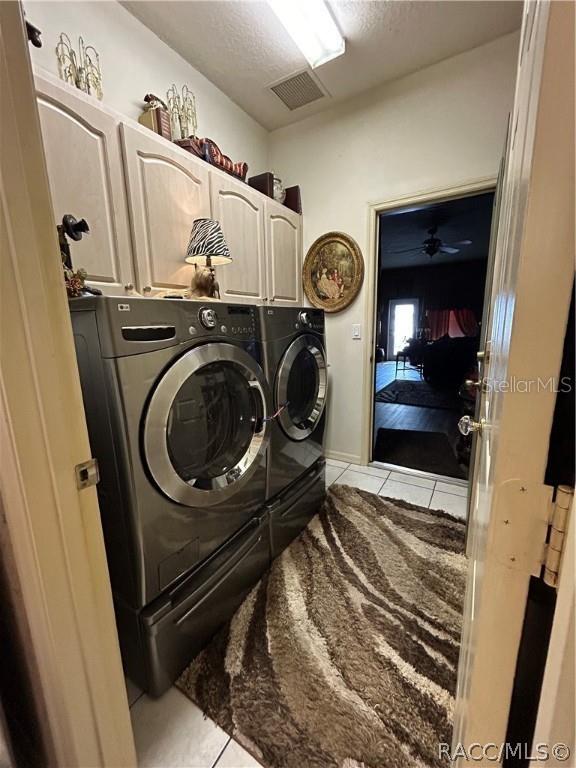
(291, 511)
(177, 625)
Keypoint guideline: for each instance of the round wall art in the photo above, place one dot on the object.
(333, 271)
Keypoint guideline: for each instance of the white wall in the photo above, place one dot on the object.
(135, 62)
(437, 128)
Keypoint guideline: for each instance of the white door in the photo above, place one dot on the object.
(284, 252)
(85, 173)
(51, 533)
(529, 310)
(240, 211)
(167, 190)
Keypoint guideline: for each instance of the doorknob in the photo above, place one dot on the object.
(466, 426)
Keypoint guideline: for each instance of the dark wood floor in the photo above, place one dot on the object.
(394, 416)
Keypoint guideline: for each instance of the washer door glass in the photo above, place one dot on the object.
(211, 423)
(301, 387)
(206, 429)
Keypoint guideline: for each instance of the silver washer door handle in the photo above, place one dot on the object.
(255, 386)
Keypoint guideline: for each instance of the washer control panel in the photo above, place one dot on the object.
(312, 319)
(242, 321)
(236, 320)
(208, 318)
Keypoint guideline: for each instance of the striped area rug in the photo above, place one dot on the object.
(345, 653)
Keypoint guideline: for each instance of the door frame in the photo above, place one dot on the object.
(555, 719)
(433, 195)
(50, 527)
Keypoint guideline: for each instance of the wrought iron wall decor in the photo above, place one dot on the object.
(80, 69)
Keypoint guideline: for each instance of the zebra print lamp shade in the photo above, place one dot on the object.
(207, 246)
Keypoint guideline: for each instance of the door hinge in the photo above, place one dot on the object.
(87, 474)
(556, 537)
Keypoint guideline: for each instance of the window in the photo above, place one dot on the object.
(402, 324)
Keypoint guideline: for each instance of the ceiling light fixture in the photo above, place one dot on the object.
(310, 25)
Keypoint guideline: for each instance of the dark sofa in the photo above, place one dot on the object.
(447, 361)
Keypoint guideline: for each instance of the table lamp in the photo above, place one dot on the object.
(208, 248)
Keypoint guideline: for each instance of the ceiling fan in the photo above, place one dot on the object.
(433, 245)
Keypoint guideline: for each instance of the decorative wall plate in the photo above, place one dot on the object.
(333, 271)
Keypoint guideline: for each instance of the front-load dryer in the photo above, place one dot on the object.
(177, 406)
(295, 362)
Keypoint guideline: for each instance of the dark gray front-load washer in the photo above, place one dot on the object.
(177, 406)
(295, 364)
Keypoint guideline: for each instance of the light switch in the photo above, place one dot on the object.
(356, 333)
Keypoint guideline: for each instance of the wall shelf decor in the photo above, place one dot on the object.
(333, 271)
(81, 69)
(182, 109)
(156, 116)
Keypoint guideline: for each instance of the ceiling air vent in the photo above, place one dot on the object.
(298, 90)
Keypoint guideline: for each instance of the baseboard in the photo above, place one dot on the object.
(349, 458)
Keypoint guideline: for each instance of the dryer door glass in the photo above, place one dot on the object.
(206, 429)
(301, 387)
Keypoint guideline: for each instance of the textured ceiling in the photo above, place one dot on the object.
(467, 218)
(242, 48)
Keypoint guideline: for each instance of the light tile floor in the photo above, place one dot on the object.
(172, 732)
(424, 491)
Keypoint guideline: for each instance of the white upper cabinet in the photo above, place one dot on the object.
(284, 254)
(140, 195)
(167, 190)
(240, 211)
(83, 157)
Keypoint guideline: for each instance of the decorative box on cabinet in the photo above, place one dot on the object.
(284, 254)
(240, 211)
(85, 173)
(167, 190)
(264, 182)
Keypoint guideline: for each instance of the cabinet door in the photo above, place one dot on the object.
(284, 251)
(240, 211)
(167, 190)
(84, 161)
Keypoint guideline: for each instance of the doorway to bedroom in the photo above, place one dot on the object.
(432, 264)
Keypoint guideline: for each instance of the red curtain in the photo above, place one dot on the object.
(466, 321)
(439, 322)
(452, 322)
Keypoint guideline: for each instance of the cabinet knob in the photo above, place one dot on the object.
(129, 287)
(272, 299)
(146, 290)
